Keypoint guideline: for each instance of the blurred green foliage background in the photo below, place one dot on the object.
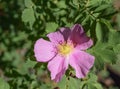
(22, 22)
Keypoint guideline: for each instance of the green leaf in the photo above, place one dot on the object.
(61, 4)
(108, 12)
(92, 77)
(28, 3)
(28, 16)
(86, 20)
(62, 83)
(117, 49)
(99, 62)
(93, 2)
(97, 85)
(91, 86)
(107, 23)
(116, 66)
(99, 33)
(103, 54)
(44, 86)
(118, 21)
(90, 82)
(75, 2)
(51, 27)
(4, 84)
(74, 83)
(114, 38)
(101, 7)
(24, 69)
(83, 85)
(108, 56)
(71, 83)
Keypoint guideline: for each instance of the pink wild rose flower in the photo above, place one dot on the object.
(66, 47)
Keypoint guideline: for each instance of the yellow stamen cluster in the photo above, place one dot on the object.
(65, 49)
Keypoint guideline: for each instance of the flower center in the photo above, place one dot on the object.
(65, 48)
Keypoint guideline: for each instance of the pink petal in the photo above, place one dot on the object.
(44, 50)
(85, 45)
(65, 32)
(56, 37)
(59, 36)
(79, 38)
(57, 67)
(81, 62)
(78, 28)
